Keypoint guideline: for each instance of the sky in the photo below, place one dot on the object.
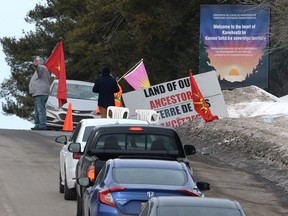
(12, 24)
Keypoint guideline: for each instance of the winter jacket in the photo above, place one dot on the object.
(40, 81)
(105, 86)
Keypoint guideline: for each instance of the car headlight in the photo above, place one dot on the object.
(52, 108)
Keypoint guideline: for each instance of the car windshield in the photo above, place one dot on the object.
(155, 176)
(199, 211)
(77, 91)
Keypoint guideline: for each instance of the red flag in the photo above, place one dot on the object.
(56, 64)
(199, 102)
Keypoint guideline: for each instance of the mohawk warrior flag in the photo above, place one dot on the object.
(56, 64)
(138, 78)
(199, 102)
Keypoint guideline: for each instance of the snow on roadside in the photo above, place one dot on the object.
(253, 137)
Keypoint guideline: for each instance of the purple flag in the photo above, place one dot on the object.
(138, 78)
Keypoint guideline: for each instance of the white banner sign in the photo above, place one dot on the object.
(173, 100)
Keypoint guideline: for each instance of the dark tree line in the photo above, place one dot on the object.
(115, 32)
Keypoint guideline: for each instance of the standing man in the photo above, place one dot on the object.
(39, 87)
(105, 86)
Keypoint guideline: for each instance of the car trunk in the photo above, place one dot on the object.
(130, 201)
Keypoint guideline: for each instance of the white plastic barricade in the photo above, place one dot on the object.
(148, 115)
(117, 112)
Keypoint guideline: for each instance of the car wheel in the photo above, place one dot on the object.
(69, 194)
(61, 186)
(79, 205)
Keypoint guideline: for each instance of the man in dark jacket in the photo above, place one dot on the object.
(105, 86)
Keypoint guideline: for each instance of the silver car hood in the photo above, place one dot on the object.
(77, 104)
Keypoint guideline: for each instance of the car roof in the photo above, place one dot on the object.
(105, 121)
(75, 82)
(146, 163)
(196, 201)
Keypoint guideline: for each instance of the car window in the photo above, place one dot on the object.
(54, 89)
(77, 91)
(75, 133)
(199, 211)
(155, 176)
(140, 142)
(87, 132)
(100, 176)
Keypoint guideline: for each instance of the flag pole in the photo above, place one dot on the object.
(130, 70)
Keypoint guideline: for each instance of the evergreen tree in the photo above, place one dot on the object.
(98, 32)
(204, 60)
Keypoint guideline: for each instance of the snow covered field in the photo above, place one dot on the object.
(254, 137)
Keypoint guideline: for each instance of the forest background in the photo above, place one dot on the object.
(164, 33)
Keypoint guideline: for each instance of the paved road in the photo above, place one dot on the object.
(29, 163)
(256, 195)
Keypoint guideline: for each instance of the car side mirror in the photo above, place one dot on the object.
(61, 139)
(74, 148)
(189, 149)
(203, 186)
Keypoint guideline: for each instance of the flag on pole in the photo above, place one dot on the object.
(138, 77)
(56, 64)
(199, 102)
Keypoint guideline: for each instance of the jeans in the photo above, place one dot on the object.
(40, 110)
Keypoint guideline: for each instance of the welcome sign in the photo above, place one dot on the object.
(234, 39)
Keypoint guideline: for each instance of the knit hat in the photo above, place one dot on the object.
(40, 60)
(106, 70)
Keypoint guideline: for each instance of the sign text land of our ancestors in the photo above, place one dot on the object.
(173, 100)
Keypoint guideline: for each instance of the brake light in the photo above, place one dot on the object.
(106, 197)
(190, 193)
(76, 156)
(91, 173)
(136, 129)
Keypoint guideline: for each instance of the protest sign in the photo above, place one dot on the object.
(173, 100)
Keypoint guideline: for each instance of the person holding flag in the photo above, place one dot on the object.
(39, 88)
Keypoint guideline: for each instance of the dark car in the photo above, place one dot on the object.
(191, 206)
(112, 141)
(123, 186)
(68, 160)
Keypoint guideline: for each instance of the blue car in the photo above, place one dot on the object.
(124, 185)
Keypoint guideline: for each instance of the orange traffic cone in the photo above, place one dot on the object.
(68, 123)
